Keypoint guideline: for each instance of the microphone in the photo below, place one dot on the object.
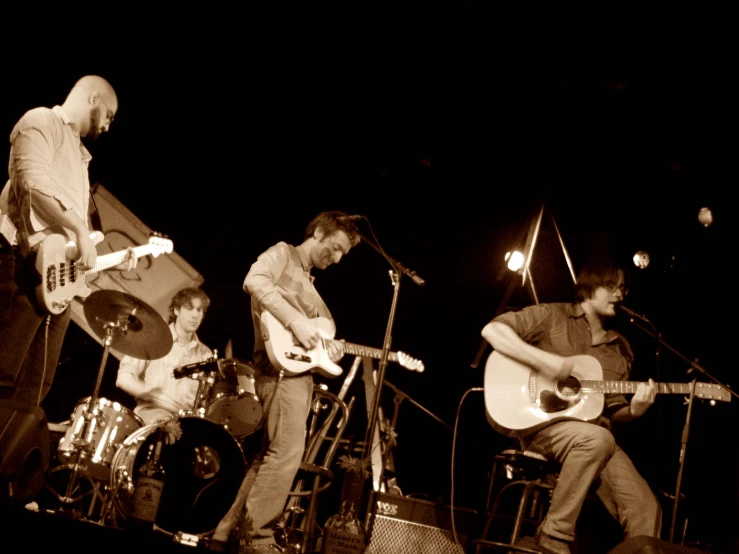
(350, 217)
(631, 313)
(188, 370)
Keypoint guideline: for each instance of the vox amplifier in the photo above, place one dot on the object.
(414, 526)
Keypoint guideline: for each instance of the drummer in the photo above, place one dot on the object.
(159, 395)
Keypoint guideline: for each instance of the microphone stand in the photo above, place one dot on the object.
(395, 273)
(400, 396)
(694, 366)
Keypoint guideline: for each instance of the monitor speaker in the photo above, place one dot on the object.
(24, 452)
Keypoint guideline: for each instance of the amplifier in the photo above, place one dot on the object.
(413, 526)
(24, 452)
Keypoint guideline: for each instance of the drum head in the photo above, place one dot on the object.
(204, 470)
(229, 369)
(240, 414)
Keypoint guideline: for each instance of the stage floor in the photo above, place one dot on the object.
(29, 531)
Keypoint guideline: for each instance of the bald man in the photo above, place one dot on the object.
(48, 192)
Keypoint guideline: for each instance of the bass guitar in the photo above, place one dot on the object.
(286, 353)
(62, 281)
(520, 401)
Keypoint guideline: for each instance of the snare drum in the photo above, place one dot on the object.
(204, 469)
(109, 426)
(232, 399)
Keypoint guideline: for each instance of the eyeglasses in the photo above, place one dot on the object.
(613, 288)
(110, 115)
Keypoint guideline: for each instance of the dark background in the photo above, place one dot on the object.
(448, 129)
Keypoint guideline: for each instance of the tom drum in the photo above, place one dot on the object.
(93, 450)
(233, 401)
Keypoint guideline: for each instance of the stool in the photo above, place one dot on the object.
(529, 473)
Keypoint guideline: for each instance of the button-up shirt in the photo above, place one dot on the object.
(160, 373)
(562, 328)
(280, 281)
(47, 157)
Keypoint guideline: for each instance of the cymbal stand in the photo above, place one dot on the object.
(89, 418)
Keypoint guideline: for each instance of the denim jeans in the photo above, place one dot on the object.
(590, 458)
(270, 478)
(30, 343)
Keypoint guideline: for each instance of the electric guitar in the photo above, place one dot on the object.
(520, 401)
(61, 281)
(286, 353)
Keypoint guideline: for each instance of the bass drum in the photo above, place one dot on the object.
(204, 470)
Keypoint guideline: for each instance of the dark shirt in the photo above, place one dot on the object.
(562, 328)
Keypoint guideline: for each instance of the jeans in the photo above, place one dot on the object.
(590, 458)
(30, 342)
(271, 476)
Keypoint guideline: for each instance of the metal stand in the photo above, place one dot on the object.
(398, 399)
(694, 366)
(395, 276)
(82, 444)
(525, 272)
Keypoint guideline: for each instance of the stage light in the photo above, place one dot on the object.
(515, 260)
(641, 259)
(705, 216)
(656, 261)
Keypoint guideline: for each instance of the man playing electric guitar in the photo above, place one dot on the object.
(546, 337)
(280, 283)
(48, 193)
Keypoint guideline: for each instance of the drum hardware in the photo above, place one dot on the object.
(207, 380)
(135, 329)
(186, 538)
(108, 513)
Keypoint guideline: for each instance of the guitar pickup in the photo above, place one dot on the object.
(297, 357)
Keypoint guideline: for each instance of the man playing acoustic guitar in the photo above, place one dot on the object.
(548, 338)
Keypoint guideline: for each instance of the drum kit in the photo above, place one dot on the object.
(105, 442)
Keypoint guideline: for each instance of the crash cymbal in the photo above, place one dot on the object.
(138, 330)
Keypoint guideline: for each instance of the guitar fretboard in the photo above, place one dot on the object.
(359, 350)
(111, 260)
(627, 387)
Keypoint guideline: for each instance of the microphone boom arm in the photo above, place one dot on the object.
(399, 267)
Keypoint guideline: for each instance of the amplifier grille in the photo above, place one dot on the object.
(395, 536)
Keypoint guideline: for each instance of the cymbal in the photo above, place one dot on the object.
(138, 330)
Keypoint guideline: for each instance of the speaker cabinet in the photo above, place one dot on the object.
(413, 526)
(24, 451)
